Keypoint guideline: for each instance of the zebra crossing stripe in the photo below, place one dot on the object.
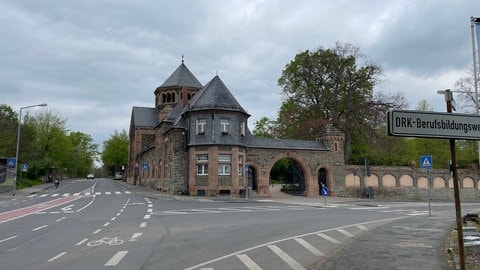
(346, 233)
(328, 238)
(249, 263)
(309, 247)
(286, 258)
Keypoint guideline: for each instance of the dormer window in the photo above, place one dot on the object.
(225, 125)
(201, 124)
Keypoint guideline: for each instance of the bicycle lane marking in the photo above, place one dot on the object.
(22, 212)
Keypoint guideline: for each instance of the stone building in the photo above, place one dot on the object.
(196, 141)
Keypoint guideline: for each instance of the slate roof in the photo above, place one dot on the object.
(285, 144)
(182, 77)
(215, 95)
(144, 117)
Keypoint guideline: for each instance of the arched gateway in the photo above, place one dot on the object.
(196, 141)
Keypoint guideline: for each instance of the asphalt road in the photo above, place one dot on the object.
(103, 224)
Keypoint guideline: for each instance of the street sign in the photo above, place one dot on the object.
(324, 191)
(11, 162)
(426, 162)
(24, 167)
(145, 166)
(433, 125)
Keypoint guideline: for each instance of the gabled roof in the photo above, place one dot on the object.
(215, 95)
(182, 77)
(144, 117)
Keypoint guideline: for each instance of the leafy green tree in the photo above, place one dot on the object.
(115, 151)
(8, 132)
(331, 85)
(264, 128)
(83, 155)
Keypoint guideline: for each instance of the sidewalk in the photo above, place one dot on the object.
(416, 242)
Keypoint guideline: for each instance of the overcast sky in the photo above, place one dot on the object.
(91, 61)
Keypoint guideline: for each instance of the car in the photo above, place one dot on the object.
(90, 176)
(119, 176)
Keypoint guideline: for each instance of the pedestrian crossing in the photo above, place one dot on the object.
(98, 193)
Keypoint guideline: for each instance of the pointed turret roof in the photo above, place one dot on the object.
(215, 95)
(182, 77)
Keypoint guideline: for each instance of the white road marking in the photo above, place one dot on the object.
(149, 210)
(113, 218)
(97, 231)
(106, 224)
(55, 195)
(286, 258)
(363, 228)
(150, 205)
(108, 193)
(143, 224)
(249, 263)
(135, 237)
(146, 217)
(31, 196)
(175, 212)
(331, 239)
(309, 247)
(58, 256)
(98, 193)
(9, 238)
(43, 195)
(118, 192)
(128, 192)
(39, 228)
(66, 194)
(81, 242)
(346, 233)
(116, 258)
(60, 219)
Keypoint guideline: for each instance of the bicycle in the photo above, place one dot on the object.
(113, 241)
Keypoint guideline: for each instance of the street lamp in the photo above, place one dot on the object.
(18, 141)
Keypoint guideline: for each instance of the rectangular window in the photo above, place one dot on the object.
(240, 158)
(201, 124)
(224, 169)
(202, 169)
(224, 158)
(225, 125)
(203, 157)
(240, 169)
(242, 129)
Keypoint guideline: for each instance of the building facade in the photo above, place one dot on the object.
(196, 141)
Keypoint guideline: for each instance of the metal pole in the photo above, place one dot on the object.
(458, 210)
(475, 75)
(429, 182)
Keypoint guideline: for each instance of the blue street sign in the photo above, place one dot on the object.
(426, 162)
(24, 167)
(11, 162)
(145, 166)
(324, 191)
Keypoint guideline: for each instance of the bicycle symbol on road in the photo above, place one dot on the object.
(113, 241)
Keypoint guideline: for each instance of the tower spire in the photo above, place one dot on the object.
(182, 58)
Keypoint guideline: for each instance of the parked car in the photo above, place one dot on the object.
(119, 176)
(90, 176)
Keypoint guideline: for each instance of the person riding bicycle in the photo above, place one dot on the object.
(57, 182)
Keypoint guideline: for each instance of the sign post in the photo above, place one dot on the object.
(426, 163)
(324, 194)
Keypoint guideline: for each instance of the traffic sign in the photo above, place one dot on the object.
(433, 125)
(324, 191)
(24, 167)
(11, 162)
(426, 162)
(145, 166)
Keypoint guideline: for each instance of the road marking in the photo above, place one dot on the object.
(55, 195)
(319, 233)
(146, 217)
(58, 256)
(149, 210)
(9, 238)
(97, 231)
(345, 233)
(135, 237)
(128, 192)
(39, 228)
(76, 194)
(43, 195)
(60, 219)
(249, 263)
(98, 193)
(331, 239)
(67, 208)
(150, 205)
(361, 227)
(143, 224)
(175, 212)
(284, 256)
(106, 224)
(81, 242)
(118, 192)
(66, 194)
(309, 247)
(116, 258)
(113, 218)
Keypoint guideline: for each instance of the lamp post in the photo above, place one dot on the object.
(473, 21)
(18, 142)
(458, 210)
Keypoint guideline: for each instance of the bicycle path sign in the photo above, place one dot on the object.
(426, 162)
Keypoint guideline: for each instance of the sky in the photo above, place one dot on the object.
(91, 61)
